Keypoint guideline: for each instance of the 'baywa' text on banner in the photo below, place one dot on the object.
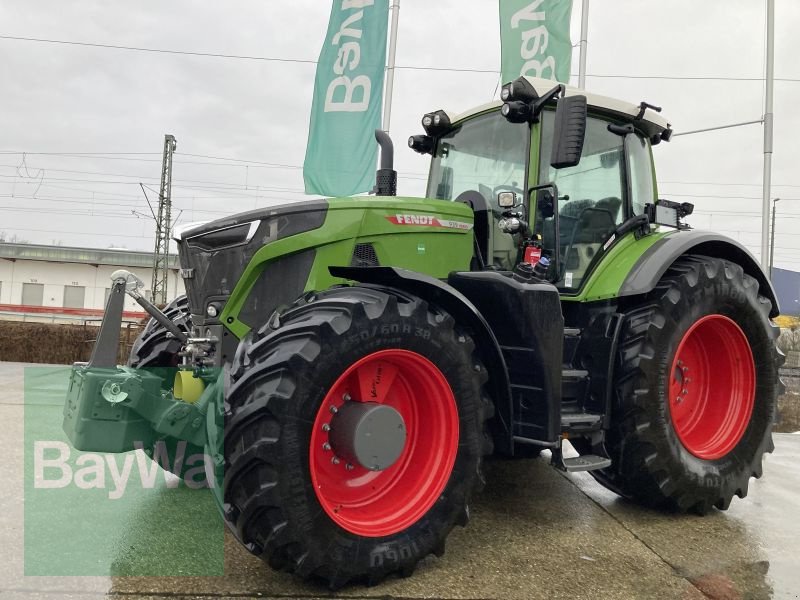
(534, 37)
(341, 154)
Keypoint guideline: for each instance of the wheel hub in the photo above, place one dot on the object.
(368, 434)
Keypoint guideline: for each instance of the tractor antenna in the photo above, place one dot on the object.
(386, 177)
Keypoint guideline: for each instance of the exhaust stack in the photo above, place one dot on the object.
(386, 176)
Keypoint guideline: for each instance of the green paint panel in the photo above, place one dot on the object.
(607, 278)
(429, 236)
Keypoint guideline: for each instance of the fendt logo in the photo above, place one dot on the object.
(428, 221)
(412, 219)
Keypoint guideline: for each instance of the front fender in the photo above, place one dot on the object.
(654, 262)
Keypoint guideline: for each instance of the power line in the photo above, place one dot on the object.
(241, 160)
(729, 197)
(405, 67)
(723, 183)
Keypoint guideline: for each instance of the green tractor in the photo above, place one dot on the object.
(342, 367)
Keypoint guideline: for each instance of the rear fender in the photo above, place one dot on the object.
(654, 262)
(465, 313)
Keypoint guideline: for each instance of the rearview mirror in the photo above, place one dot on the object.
(506, 199)
(569, 132)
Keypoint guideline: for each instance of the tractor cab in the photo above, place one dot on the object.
(566, 208)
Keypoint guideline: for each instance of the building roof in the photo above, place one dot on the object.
(89, 256)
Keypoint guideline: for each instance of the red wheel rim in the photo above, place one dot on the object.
(380, 503)
(712, 387)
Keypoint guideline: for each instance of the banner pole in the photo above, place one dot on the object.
(768, 132)
(584, 44)
(387, 100)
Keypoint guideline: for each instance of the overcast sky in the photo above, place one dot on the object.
(81, 100)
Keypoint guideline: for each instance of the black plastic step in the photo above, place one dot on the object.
(574, 385)
(574, 374)
(587, 462)
(582, 420)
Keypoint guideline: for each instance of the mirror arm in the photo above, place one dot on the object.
(538, 105)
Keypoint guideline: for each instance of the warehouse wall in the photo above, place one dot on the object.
(54, 276)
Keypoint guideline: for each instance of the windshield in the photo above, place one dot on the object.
(486, 154)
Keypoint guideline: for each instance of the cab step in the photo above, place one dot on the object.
(584, 421)
(587, 462)
(598, 459)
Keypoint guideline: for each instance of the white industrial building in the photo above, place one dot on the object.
(64, 283)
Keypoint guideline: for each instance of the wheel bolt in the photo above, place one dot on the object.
(685, 369)
(346, 397)
(333, 409)
(326, 446)
(678, 400)
(326, 427)
(684, 391)
(335, 460)
(349, 467)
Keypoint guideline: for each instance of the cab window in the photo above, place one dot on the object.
(484, 155)
(640, 166)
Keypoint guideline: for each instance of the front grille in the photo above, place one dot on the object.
(364, 256)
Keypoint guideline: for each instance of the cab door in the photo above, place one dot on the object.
(612, 183)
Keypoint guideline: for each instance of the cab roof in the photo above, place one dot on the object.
(652, 122)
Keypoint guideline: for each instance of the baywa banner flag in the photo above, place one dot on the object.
(341, 155)
(534, 37)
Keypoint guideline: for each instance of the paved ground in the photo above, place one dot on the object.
(534, 533)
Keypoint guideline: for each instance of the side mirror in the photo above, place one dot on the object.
(506, 199)
(569, 132)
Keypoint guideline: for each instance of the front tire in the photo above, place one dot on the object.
(697, 386)
(291, 499)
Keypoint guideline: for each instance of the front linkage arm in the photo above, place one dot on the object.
(105, 349)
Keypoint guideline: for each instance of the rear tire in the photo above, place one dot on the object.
(689, 443)
(281, 494)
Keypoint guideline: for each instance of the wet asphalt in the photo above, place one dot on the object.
(534, 533)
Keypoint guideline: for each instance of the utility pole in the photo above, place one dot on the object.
(584, 44)
(768, 131)
(163, 225)
(772, 241)
(387, 99)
